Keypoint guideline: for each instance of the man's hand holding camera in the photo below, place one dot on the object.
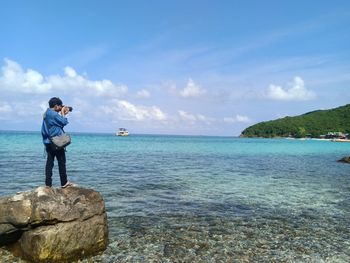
(64, 111)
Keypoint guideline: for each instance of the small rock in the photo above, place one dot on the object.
(345, 159)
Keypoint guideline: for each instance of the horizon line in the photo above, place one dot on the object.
(111, 133)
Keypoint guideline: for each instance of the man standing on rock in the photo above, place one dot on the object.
(52, 125)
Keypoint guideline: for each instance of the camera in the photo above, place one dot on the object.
(69, 108)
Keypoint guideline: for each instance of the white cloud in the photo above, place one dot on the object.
(143, 94)
(18, 110)
(5, 111)
(43, 105)
(125, 110)
(187, 116)
(28, 108)
(191, 90)
(201, 117)
(236, 119)
(70, 72)
(72, 82)
(5, 107)
(193, 118)
(14, 79)
(296, 92)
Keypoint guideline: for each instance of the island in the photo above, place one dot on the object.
(325, 124)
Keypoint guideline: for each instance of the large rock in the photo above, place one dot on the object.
(52, 225)
(345, 159)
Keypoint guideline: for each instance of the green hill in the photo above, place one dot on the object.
(312, 124)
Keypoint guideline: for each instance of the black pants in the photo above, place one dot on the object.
(61, 159)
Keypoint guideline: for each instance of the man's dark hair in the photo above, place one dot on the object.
(55, 101)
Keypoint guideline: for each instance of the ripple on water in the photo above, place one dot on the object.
(196, 199)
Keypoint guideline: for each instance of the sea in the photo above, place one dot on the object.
(199, 198)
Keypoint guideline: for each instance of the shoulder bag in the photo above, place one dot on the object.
(58, 142)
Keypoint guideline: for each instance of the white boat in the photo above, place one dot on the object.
(122, 132)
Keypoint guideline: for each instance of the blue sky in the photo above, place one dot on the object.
(172, 67)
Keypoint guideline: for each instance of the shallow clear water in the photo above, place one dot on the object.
(195, 199)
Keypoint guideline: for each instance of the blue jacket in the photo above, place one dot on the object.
(56, 123)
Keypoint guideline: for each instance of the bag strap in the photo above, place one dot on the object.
(47, 123)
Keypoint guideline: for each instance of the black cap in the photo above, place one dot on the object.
(55, 101)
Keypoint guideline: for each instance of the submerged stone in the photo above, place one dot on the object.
(54, 225)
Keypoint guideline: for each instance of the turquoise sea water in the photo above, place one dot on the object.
(203, 199)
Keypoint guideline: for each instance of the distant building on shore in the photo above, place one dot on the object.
(334, 135)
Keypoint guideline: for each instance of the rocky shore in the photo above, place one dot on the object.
(53, 225)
